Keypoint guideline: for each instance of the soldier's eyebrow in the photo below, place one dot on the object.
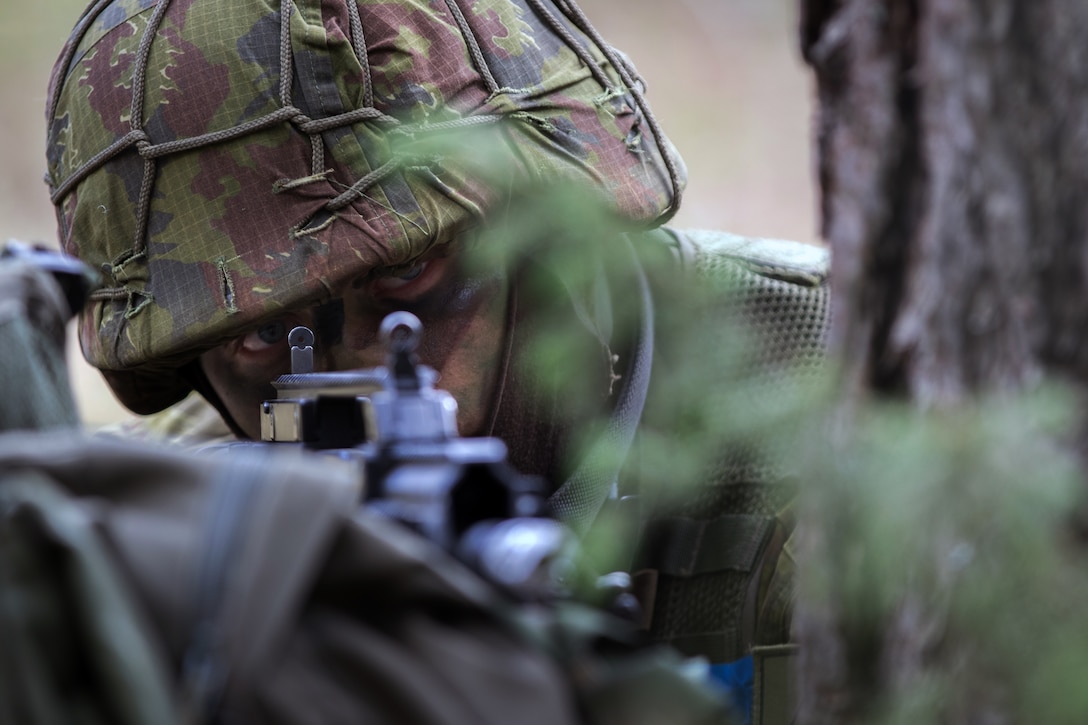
(329, 322)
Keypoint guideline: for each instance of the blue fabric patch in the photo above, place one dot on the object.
(736, 679)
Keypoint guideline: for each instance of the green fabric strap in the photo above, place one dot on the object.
(687, 547)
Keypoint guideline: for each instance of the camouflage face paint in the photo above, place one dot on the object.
(464, 339)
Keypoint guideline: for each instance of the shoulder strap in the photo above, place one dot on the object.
(578, 501)
(252, 577)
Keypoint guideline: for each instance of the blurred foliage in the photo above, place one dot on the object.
(940, 554)
(578, 290)
(940, 550)
(576, 274)
(939, 547)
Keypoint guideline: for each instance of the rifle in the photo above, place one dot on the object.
(400, 431)
(460, 493)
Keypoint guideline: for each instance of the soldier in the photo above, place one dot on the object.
(146, 586)
(238, 168)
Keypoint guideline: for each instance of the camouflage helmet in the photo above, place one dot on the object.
(221, 161)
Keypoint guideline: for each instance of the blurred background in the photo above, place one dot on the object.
(724, 78)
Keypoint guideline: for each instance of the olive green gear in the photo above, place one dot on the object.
(221, 161)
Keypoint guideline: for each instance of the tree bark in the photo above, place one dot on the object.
(953, 163)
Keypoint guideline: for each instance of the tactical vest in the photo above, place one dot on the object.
(714, 569)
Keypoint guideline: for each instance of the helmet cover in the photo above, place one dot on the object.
(221, 161)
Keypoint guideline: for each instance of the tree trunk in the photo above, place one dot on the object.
(952, 140)
(953, 161)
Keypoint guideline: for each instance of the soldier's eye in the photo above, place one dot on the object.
(391, 283)
(413, 272)
(272, 332)
(265, 336)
